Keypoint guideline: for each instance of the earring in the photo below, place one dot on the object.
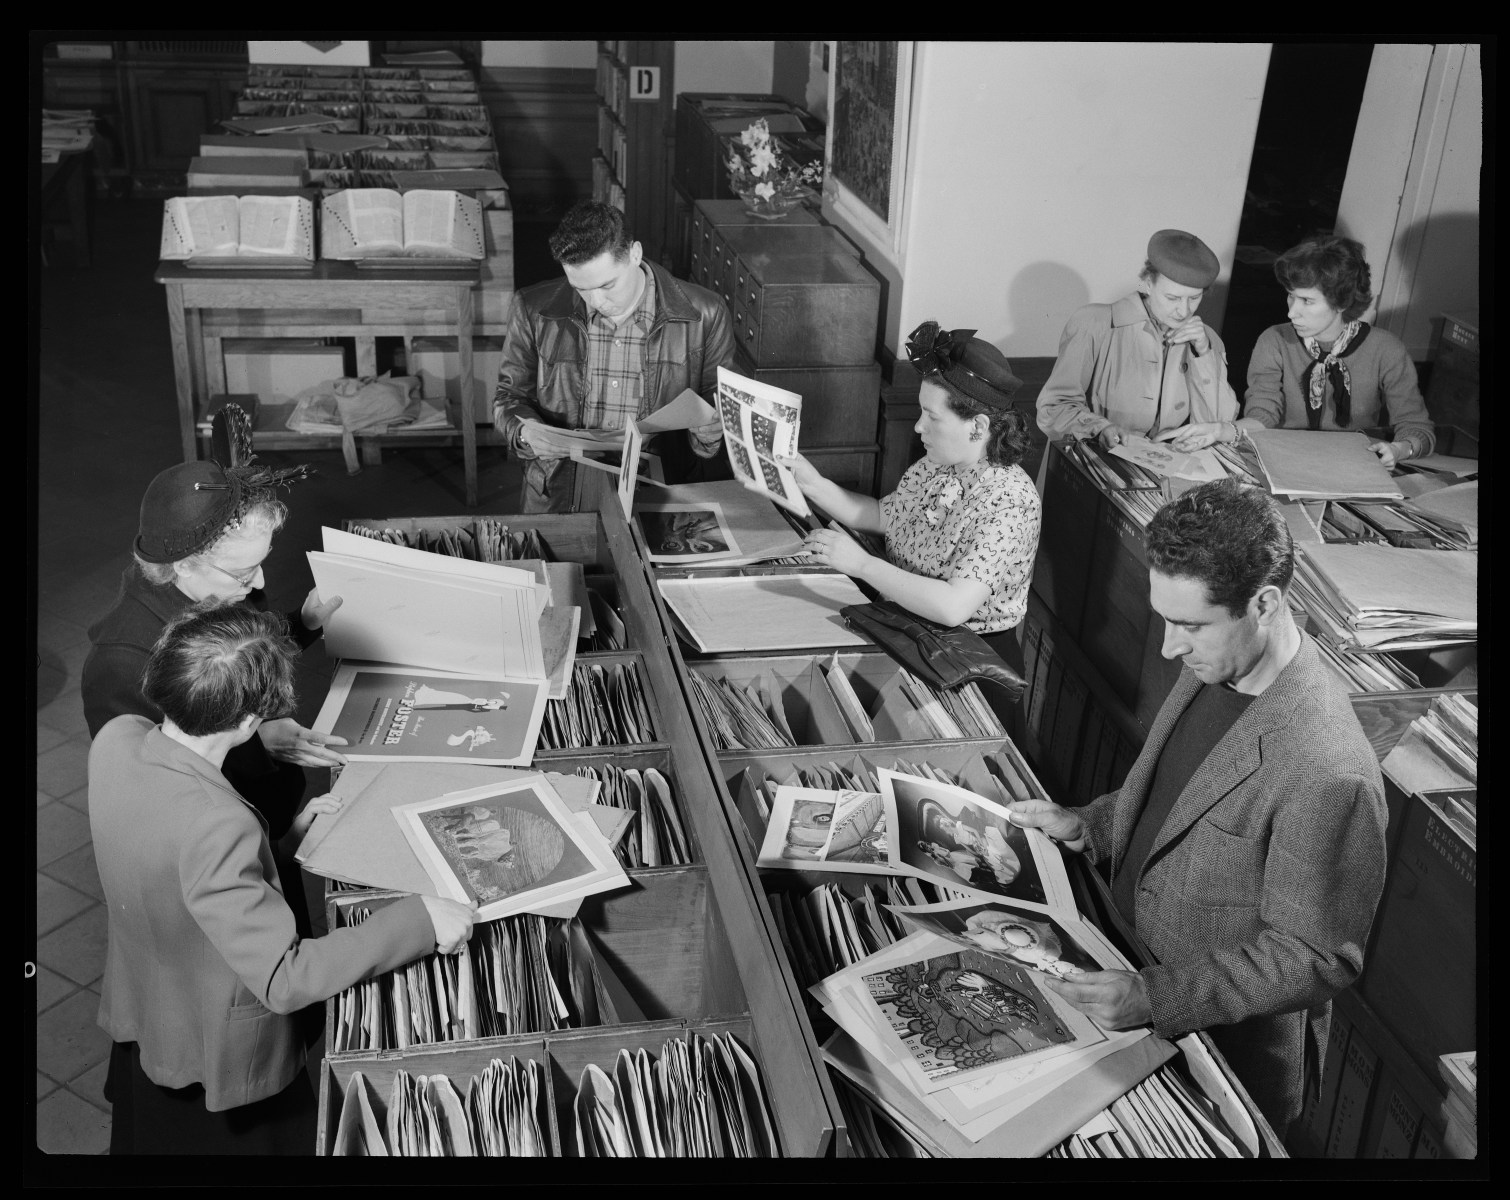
(976, 435)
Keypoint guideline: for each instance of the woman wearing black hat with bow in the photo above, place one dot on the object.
(203, 533)
(962, 526)
(1146, 365)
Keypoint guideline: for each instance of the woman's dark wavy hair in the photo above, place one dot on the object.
(1335, 267)
(1006, 440)
(216, 663)
(1229, 536)
(588, 229)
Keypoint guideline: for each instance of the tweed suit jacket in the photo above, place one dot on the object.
(204, 967)
(1258, 894)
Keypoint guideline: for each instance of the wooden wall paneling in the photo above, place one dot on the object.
(545, 124)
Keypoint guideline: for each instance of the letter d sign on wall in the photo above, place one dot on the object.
(644, 83)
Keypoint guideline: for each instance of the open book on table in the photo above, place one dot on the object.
(274, 230)
(369, 223)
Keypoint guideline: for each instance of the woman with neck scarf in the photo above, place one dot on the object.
(962, 526)
(1324, 368)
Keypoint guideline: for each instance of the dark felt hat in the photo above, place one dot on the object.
(969, 365)
(186, 508)
(1184, 258)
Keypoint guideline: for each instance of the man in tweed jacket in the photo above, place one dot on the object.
(1246, 845)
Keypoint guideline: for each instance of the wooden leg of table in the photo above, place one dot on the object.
(464, 370)
(183, 377)
(214, 366)
(366, 355)
(372, 451)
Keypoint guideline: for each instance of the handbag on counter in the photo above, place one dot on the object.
(944, 655)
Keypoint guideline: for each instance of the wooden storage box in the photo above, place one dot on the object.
(1421, 972)
(692, 939)
(663, 936)
(797, 296)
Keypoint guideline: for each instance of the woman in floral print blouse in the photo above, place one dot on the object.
(962, 526)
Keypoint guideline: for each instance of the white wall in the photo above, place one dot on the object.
(1038, 170)
(1446, 269)
(724, 66)
(347, 54)
(1416, 205)
(521, 53)
(1369, 207)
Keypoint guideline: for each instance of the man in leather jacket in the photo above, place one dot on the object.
(612, 341)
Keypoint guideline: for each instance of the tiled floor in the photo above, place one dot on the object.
(107, 424)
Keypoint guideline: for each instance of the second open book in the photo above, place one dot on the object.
(361, 223)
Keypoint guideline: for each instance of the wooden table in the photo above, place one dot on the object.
(330, 299)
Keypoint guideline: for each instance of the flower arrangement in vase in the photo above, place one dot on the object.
(769, 183)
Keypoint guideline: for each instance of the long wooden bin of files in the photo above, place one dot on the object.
(1198, 1060)
(693, 942)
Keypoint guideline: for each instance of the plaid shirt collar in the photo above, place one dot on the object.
(641, 318)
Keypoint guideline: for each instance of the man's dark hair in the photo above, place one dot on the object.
(1228, 536)
(1334, 266)
(586, 231)
(212, 666)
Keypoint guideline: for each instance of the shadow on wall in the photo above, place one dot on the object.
(1042, 294)
(1434, 264)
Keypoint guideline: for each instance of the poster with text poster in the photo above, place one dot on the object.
(403, 714)
(964, 841)
(761, 425)
(510, 848)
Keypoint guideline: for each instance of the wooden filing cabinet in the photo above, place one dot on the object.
(691, 942)
(799, 295)
(804, 310)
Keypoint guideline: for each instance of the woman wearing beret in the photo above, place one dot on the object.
(1146, 364)
(1324, 368)
(204, 966)
(962, 526)
(203, 533)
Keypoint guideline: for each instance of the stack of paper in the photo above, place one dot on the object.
(655, 835)
(1454, 508)
(1367, 672)
(742, 716)
(1322, 464)
(514, 841)
(827, 928)
(1163, 1117)
(763, 612)
(1439, 749)
(701, 1098)
(915, 826)
(430, 610)
(605, 706)
(504, 1114)
(968, 1046)
(1372, 597)
(678, 520)
(521, 974)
